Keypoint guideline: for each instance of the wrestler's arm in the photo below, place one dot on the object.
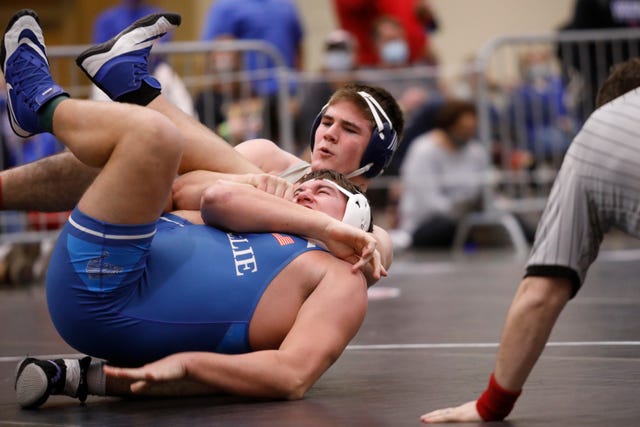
(325, 324)
(267, 155)
(187, 189)
(51, 184)
(384, 246)
(534, 311)
(243, 208)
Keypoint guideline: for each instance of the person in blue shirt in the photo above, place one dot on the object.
(275, 22)
(115, 19)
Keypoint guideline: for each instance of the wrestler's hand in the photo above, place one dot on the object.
(271, 184)
(353, 245)
(460, 414)
(167, 369)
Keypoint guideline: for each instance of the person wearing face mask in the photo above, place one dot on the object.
(339, 52)
(541, 121)
(391, 43)
(416, 17)
(393, 69)
(442, 176)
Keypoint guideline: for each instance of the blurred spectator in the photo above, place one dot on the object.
(115, 19)
(338, 68)
(411, 89)
(274, 21)
(339, 54)
(591, 61)
(225, 105)
(442, 177)
(536, 109)
(416, 17)
(422, 121)
(390, 42)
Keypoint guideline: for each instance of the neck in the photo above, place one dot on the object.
(444, 140)
(360, 181)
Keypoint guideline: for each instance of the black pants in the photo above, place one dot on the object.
(436, 232)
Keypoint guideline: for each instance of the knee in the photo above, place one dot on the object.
(159, 136)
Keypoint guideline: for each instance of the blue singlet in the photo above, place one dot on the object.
(131, 294)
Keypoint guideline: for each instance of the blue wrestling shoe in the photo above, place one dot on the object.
(119, 66)
(26, 70)
(37, 379)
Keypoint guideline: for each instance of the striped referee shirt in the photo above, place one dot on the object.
(597, 187)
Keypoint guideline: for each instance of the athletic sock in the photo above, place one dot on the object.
(96, 379)
(45, 114)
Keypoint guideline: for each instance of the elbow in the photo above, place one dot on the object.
(216, 194)
(295, 389)
(294, 383)
(214, 202)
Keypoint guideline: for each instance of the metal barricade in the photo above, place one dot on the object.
(534, 93)
(525, 165)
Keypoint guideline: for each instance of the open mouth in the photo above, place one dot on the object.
(325, 152)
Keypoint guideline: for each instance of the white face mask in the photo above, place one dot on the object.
(538, 72)
(338, 61)
(395, 52)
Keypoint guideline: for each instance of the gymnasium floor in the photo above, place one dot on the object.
(429, 340)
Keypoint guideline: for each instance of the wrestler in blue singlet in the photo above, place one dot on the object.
(131, 294)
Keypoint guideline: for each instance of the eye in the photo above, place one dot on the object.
(352, 129)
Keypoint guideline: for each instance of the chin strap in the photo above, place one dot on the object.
(359, 171)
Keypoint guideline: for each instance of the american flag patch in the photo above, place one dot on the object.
(282, 239)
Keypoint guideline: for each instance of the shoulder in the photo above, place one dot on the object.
(324, 264)
(222, 5)
(477, 149)
(319, 273)
(424, 145)
(620, 112)
(222, 11)
(336, 279)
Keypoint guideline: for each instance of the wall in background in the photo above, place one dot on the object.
(465, 25)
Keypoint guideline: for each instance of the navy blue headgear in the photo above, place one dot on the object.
(382, 145)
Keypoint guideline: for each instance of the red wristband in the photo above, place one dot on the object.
(496, 402)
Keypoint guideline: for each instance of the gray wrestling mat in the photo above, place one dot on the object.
(429, 340)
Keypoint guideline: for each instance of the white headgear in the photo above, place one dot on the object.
(357, 212)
